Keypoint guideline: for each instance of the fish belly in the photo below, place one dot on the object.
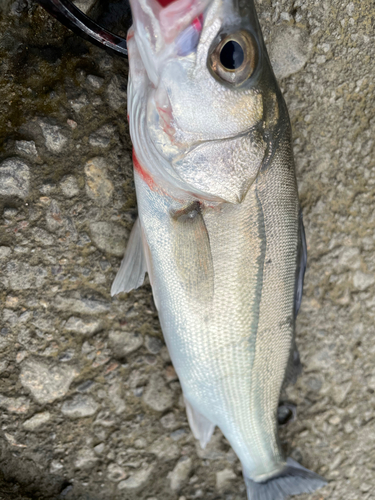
(230, 345)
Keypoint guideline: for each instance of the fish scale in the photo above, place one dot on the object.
(220, 226)
(213, 356)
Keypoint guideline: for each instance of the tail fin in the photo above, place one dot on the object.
(293, 480)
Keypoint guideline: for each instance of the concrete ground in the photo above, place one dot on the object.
(91, 407)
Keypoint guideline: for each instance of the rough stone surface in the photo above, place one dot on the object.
(52, 269)
(14, 178)
(136, 480)
(69, 186)
(55, 140)
(224, 478)
(103, 136)
(79, 406)
(36, 421)
(98, 186)
(27, 147)
(158, 395)
(14, 405)
(124, 343)
(180, 473)
(46, 383)
(86, 459)
(82, 326)
(290, 48)
(117, 92)
(109, 237)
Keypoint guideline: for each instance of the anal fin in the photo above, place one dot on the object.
(200, 426)
(133, 266)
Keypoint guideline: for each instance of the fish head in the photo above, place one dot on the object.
(213, 103)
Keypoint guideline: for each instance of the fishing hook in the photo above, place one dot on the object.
(73, 18)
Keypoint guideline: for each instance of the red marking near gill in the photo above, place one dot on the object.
(130, 35)
(198, 23)
(165, 3)
(146, 177)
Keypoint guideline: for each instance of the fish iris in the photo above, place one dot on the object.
(231, 55)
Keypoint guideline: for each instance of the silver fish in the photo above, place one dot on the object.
(219, 229)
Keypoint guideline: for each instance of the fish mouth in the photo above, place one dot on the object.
(167, 18)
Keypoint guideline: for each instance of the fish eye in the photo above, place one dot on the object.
(235, 58)
(231, 55)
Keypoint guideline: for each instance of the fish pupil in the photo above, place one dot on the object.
(231, 55)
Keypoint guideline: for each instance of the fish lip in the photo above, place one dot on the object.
(172, 19)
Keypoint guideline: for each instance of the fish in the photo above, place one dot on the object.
(219, 228)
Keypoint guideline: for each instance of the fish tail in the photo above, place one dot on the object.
(293, 480)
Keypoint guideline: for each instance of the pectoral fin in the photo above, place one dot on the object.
(133, 266)
(192, 253)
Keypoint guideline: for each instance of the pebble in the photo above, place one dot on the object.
(72, 123)
(99, 448)
(15, 405)
(178, 434)
(14, 178)
(98, 187)
(22, 276)
(3, 365)
(335, 420)
(69, 186)
(153, 344)
(43, 237)
(84, 5)
(27, 147)
(362, 281)
(115, 473)
(158, 395)
(350, 257)
(289, 49)
(46, 383)
(180, 473)
(165, 449)
(168, 421)
(54, 217)
(117, 92)
(55, 140)
(82, 305)
(109, 237)
(4, 252)
(103, 136)
(85, 327)
(79, 406)
(223, 479)
(79, 103)
(86, 459)
(55, 466)
(123, 343)
(137, 480)
(115, 396)
(95, 81)
(10, 317)
(36, 421)
(339, 392)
